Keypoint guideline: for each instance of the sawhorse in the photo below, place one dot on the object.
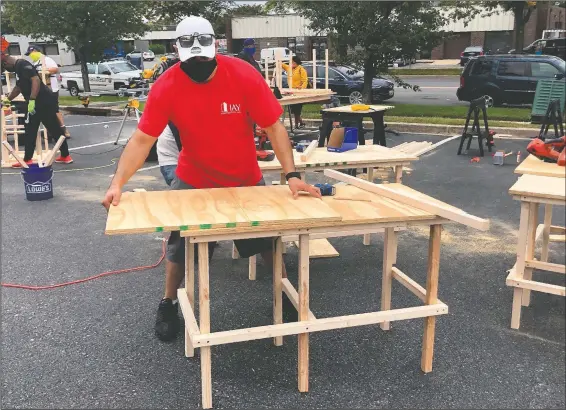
(475, 107)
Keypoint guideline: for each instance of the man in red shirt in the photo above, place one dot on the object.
(213, 100)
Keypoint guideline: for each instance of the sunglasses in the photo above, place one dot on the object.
(204, 40)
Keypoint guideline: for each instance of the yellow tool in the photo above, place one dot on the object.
(360, 107)
(134, 103)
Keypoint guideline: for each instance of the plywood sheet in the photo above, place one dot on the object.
(367, 207)
(534, 166)
(303, 98)
(320, 248)
(348, 108)
(220, 210)
(363, 155)
(275, 206)
(542, 187)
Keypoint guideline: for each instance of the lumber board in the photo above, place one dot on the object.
(309, 151)
(370, 207)
(541, 187)
(318, 325)
(363, 155)
(348, 108)
(320, 248)
(402, 194)
(303, 98)
(531, 165)
(293, 295)
(221, 210)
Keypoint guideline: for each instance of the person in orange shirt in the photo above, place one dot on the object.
(299, 80)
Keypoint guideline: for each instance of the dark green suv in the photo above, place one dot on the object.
(508, 78)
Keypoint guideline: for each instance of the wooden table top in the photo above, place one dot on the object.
(348, 109)
(534, 166)
(202, 212)
(541, 187)
(364, 154)
(302, 98)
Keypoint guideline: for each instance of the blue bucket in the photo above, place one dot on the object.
(38, 182)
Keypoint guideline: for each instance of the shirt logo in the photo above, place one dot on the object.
(226, 108)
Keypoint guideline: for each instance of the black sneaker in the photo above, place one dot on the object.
(167, 321)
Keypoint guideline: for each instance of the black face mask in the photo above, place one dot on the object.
(198, 71)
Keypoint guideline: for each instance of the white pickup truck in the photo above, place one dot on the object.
(105, 76)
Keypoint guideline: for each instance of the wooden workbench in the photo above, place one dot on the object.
(345, 113)
(209, 215)
(305, 96)
(533, 190)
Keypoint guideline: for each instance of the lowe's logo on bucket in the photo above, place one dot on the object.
(38, 188)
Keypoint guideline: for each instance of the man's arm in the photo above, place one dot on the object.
(281, 144)
(15, 92)
(132, 158)
(35, 83)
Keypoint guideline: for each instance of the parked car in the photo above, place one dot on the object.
(508, 78)
(348, 82)
(553, 47)
(148, 55)
(470, 52)
(105, 76)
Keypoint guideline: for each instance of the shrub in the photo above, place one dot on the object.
(157, 48)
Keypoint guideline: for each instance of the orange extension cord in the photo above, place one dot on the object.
(100, 275)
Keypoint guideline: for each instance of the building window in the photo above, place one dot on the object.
(558, 25)
(14, 50)
(49, 49)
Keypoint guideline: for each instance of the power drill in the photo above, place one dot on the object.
(261, 154)
(326, 189)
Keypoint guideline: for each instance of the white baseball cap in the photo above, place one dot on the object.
(197, 38)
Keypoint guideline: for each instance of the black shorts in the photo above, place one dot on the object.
(56, 95)
(297, 109)
(246, 247)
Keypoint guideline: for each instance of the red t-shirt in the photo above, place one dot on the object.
(215, 121)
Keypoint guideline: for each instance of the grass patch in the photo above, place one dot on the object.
(68, 100)
(458, 112)
(425, 71)
(455, 121)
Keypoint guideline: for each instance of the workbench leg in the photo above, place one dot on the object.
(431, 296)
(546, 232)
(398, 174)
(278, 286)
(235, 253)
(389, 259)
(303, 312)
(252, 267)
(367, 236)
(520, 265)
(204, 324)
(530, 254)
(190, 289)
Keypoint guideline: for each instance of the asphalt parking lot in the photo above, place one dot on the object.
(91, 345)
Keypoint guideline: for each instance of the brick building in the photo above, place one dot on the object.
(497, 32)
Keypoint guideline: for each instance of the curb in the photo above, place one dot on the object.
(440, 129)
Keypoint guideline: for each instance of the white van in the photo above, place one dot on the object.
(270, 54)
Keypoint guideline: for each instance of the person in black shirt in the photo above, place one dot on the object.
(42, 107)
(247, 54)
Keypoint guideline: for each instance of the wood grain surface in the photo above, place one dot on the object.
(364, 154)
(224, 209)
(535, 186)
(348, 108)
(534, 166)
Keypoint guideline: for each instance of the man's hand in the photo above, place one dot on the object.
(31, 107)
(297, 185)
(112, 196)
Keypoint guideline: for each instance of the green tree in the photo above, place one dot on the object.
(86, 27)
(172, 12)
(370, 35)
(522, 11)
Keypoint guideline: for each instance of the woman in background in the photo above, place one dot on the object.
(299, 80)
